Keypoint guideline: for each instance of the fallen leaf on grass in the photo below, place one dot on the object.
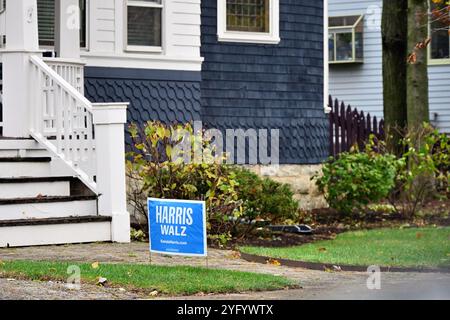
(102, 281)
(337, 268)
(322, 249)
(95, 265)
(274, 262)
(235, 255)
(154, 293)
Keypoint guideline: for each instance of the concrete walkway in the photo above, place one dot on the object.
(315, 284)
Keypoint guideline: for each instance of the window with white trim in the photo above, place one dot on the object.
(345, 39)
(253, 21)
(144, 25)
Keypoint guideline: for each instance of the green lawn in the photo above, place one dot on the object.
(424, 247)
(167, 280)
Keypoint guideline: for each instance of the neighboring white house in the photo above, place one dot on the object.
(358, 81)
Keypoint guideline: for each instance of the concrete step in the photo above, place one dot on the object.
(11, 188)
(47, 207)
(16, 167)
(60, 230)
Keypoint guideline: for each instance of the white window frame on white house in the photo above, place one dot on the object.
(138, 3)
(271, 37)
(347, 29)
(431, 60)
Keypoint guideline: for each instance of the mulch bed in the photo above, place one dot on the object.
(327, 223)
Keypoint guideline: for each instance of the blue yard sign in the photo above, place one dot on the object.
(177, 227)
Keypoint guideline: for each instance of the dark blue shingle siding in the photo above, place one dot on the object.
(168, 96)
(270, 86)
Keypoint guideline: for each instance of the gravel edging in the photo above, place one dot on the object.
(334, 267)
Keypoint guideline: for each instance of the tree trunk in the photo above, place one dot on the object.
(394, 29)
(417, 73)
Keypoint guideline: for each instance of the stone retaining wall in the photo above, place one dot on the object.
(299, 178)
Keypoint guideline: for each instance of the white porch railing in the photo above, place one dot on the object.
(61, 118)
(70, 70)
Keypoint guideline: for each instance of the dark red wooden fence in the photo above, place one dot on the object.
(350, 127)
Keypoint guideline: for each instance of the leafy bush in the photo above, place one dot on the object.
(158, 168)
(356, 179)
(425, 169)
(265, 198)
(440, 153)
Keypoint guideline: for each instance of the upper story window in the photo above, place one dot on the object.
(440, 37)
(46, 22)
(144, 25)
(345, 39)
(253, 21)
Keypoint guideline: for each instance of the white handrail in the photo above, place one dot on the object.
(60, 81)
(62, 121)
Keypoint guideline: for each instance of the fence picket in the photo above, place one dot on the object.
(351, 127)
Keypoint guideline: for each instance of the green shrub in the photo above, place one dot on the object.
(156, 168)
(425, 170)
(356, 179)
(265, 198)
(440, 153)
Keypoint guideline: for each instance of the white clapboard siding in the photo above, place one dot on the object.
(362, 85)
(181, 37)
(102, 26)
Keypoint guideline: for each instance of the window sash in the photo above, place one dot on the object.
(245, 16)
(136, 44)
(46, 22)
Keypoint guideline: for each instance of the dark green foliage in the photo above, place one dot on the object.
(357, 179)
(265, 198)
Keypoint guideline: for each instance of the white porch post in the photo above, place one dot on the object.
(67, 28)
(21, 42)
(109, 121)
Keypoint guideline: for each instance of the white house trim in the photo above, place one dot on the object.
(142, 61)
(326, 58)
(273, 37)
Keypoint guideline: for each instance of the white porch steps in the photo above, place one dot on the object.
(38, 206)
(11, 188)
(47, 207)
(54, 231)
(11, 167)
